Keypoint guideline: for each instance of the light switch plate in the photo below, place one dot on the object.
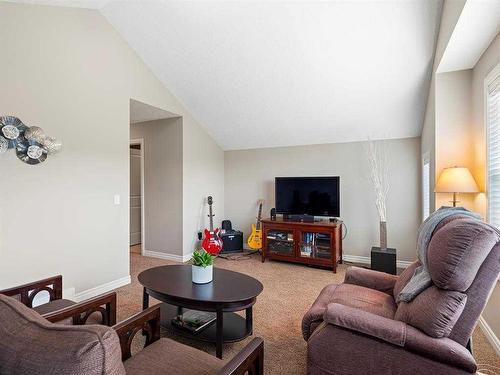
(116, 199)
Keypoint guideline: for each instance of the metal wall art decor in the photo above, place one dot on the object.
(32, 145)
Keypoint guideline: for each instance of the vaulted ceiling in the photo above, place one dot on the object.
(275, 73)
(477, 26)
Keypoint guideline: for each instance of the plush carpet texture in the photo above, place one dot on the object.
(289, 290)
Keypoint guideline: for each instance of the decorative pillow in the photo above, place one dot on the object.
(434, 311)
(404, 278)
(456, 252)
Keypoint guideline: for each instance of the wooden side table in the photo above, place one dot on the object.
(317, 243)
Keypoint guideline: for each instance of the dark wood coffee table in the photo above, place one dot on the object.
(228, 292)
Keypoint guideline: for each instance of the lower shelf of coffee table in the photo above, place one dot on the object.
(234, 326)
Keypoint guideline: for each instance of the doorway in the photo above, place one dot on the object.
(155, 191)
(136, 205)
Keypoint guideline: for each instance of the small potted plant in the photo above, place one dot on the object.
(202, 268)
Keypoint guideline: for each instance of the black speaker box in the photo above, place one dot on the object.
(232, 241)
(299, 218)
(226, 225)
(383, 260)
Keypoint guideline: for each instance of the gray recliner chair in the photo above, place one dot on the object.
(357, 327)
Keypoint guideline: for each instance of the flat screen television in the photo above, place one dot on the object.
(316, 196)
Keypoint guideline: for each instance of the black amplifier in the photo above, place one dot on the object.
(232, 241)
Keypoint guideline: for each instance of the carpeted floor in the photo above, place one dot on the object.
(289, 290)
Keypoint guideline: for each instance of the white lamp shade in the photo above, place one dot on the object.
(456, 180)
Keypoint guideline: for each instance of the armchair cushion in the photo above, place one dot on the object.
(32, 345)
(355, 296)
(434, 311)
(57, 304)
(167, 356)
(389, 330)
(376, 280)
(54, 305)
(457, 251)
(366, 299)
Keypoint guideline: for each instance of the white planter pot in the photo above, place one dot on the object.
(202, 275)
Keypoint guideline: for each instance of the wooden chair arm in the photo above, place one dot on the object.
(82, 310)
(249, 360)
(27, 292)
(147, 321)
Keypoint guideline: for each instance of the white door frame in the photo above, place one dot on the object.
(140, 141)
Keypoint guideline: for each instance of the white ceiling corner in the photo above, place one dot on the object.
(140, 112)
(264, 74)
(478, 25)
(89, 4)
(280, 73)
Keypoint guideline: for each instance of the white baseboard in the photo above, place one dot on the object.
(359, 259)
(187, 257)
(174, 257)
(367, 260)
(346, 257)
(403, 263)
(69, 293)
(100, 289)
(490, 335)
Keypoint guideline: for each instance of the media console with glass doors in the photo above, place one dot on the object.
(316, 243)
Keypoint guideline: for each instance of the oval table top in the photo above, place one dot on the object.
(175, 281)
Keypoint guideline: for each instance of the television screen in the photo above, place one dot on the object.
(317, 196)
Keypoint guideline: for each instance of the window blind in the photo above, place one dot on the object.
(493, 127)
(425, 188)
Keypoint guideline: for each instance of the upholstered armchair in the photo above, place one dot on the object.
(96, 310)
(30, 344)
(357, 327)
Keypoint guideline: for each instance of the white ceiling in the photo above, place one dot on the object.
(278, 73)
(140, 112)
(92, 4)
(477, 26)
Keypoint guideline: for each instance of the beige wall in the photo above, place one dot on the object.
(135, 196)
(491, 313)
(454, 146)
(162, 184)
(489, 60)
(68, 71)
(249, 176)
(203, 176)
(428, 141)
(449, 18)
(460, 136)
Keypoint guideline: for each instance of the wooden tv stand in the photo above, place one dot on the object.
(318, 243)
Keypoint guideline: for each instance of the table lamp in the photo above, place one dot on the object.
(456, 180)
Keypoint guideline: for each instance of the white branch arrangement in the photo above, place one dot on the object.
(379, 175)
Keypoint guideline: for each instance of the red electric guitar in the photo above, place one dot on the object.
(212, 243)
